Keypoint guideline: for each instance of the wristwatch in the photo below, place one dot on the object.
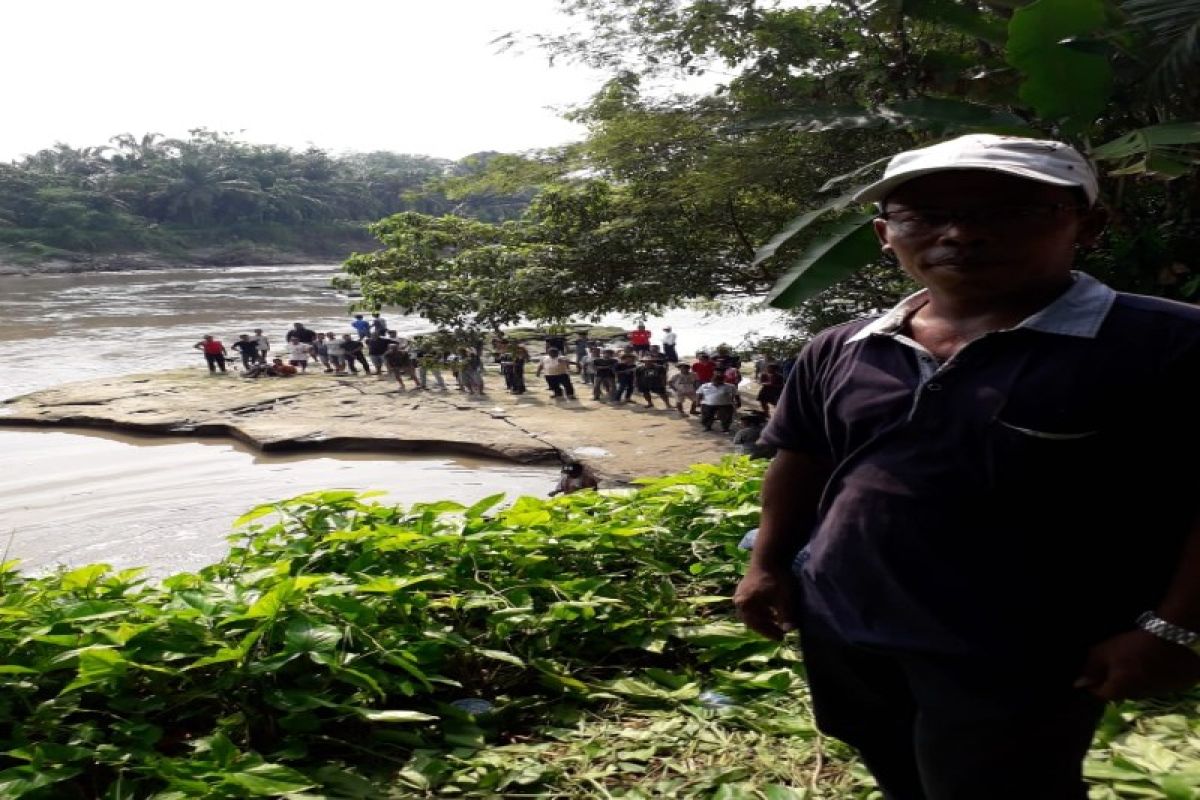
(1153, 624)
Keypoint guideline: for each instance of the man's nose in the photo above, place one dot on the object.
(966, 232)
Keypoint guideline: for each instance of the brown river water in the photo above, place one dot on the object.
(71, 497)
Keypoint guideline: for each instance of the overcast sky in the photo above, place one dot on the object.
(416, 76)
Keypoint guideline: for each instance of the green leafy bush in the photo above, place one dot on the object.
(323, 658)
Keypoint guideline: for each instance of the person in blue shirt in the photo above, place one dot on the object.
(361, 326)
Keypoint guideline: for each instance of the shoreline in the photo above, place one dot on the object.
(323, 413)
(205, 259)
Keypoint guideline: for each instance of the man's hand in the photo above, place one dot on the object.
(766, 601)
(1138, 664)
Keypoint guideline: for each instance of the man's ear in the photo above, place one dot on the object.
(881, 230)
(1091, 226)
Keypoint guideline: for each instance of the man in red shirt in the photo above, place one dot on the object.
(214, 353)
(703, 368)
(639, 339)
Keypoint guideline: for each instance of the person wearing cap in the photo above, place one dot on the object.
(574, 477)
(990, 489)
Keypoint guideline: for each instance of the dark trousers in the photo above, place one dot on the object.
(360, 358)
(624, 388)
(560, 384)
(602, 384)
(955, 728)
(249, 359)
(214, 360)
(669, 352)
(723, 413)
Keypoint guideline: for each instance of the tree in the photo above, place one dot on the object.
(877, 77)
(152, 193)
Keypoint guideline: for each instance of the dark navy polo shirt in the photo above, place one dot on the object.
(1034, 490)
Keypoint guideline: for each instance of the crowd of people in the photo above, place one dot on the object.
(615, 371)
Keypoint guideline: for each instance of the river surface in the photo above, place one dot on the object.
(71, 498)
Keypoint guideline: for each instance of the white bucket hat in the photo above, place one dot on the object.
(1038, 160)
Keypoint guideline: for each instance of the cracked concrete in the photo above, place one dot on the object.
(322, 412)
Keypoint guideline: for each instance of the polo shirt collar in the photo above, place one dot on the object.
(1079, 311)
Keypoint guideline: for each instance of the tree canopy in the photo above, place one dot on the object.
(152, 193)
(747, 186)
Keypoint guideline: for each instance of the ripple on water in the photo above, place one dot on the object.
(71, 498)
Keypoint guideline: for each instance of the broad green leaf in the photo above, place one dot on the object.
(270, 603)
(20, 781)
(949, 115)
(303, 635)
(396, 715)
(480, 507)
(84, 576)
(500, 655)
(440, 507)
(1143, 140)
(731, 791)
(386, 585)
(96, 665)
(1147, 753)
(255, 513)
(817, 118)
(16, 669)
(527, 519)
(1161, 165)
(1063, 84)
(799, 224)
(1166, 151)
(846, 248)
(226, 654)
(269, 780)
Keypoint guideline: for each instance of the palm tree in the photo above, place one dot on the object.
(133, 154)
(197, 190)
(1174, 28)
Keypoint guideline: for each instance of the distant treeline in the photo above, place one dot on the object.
(159, 195)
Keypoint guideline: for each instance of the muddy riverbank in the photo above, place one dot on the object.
(316, 412)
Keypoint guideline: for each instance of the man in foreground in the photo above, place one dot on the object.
(993, 540)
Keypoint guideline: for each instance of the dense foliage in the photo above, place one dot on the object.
(809, 99)
(324, 656)
(167, 195)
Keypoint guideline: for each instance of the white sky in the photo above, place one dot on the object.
(415, 76)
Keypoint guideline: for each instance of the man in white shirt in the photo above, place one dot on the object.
(668, 344)
(264, 345)
(716, 401)
(298, 354)
(557, 369)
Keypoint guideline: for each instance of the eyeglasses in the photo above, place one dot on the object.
(918, 221)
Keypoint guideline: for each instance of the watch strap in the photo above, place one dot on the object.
(1153, 624)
